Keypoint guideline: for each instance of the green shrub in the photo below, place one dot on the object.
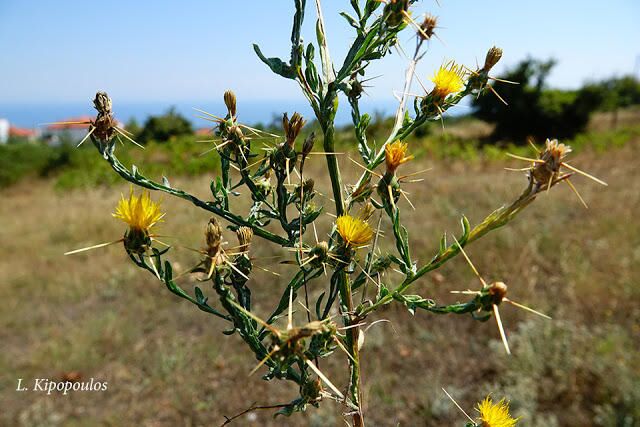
(165, 127)
(534, 110)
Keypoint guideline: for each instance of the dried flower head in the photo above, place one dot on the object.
(354, 231)
(292, 127)
(395, 154)
(493, 56)
(104, 126)
(447, 80)
(139, 212)
(551, 157)
(102, 103)
(230, 102)
(245, 235)
(497, 290)
(428, 26)
(495, 414)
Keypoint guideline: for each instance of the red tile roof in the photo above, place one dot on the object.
(84, 122)
(14, 131)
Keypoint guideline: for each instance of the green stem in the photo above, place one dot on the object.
(233, 218)
(493, 221)
(328, 130)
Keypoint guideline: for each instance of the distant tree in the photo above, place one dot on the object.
(535, 110)
(164, 127)
(614, 93)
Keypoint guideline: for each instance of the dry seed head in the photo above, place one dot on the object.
(104, 124)
(552, 156)
(245, 235)
(213, 236)
(102, 103)
(497, 290)
(495, 414)
(428, 26)
(230, 102)
(493, 56)
(395, 154)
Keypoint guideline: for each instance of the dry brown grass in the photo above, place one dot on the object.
(167, 363)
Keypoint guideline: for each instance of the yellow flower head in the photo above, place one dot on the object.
(395, 154)
(140, 212)
(448, 79)
(354, 231)
(495, 414)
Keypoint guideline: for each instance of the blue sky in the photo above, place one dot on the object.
(170, 51)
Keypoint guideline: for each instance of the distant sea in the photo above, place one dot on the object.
(252, 112)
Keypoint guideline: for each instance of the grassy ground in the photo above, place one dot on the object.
(168, 363)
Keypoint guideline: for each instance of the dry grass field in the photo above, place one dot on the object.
(168, 364)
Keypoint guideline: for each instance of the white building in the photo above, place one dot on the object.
(4, 131)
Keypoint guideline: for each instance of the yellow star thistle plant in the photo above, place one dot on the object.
(277, 211)
(354, 231)
(449, 79)
(495, 414)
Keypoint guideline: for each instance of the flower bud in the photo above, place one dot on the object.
(395, 11)
(245, 235)
(395, 154)
(493, 56)
(230, 102)
(292, 127)
(308, 144)
(213, 236)
(497, 291)
(320, 251)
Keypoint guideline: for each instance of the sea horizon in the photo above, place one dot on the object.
(34, 115)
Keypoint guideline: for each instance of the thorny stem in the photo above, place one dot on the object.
(344, 284)
(495, 220)
(152, 185)
(328, 111)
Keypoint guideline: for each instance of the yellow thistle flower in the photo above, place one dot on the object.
(395, 154)
(448, 79)
(354, 231)
(495, 414)
(140, 212)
